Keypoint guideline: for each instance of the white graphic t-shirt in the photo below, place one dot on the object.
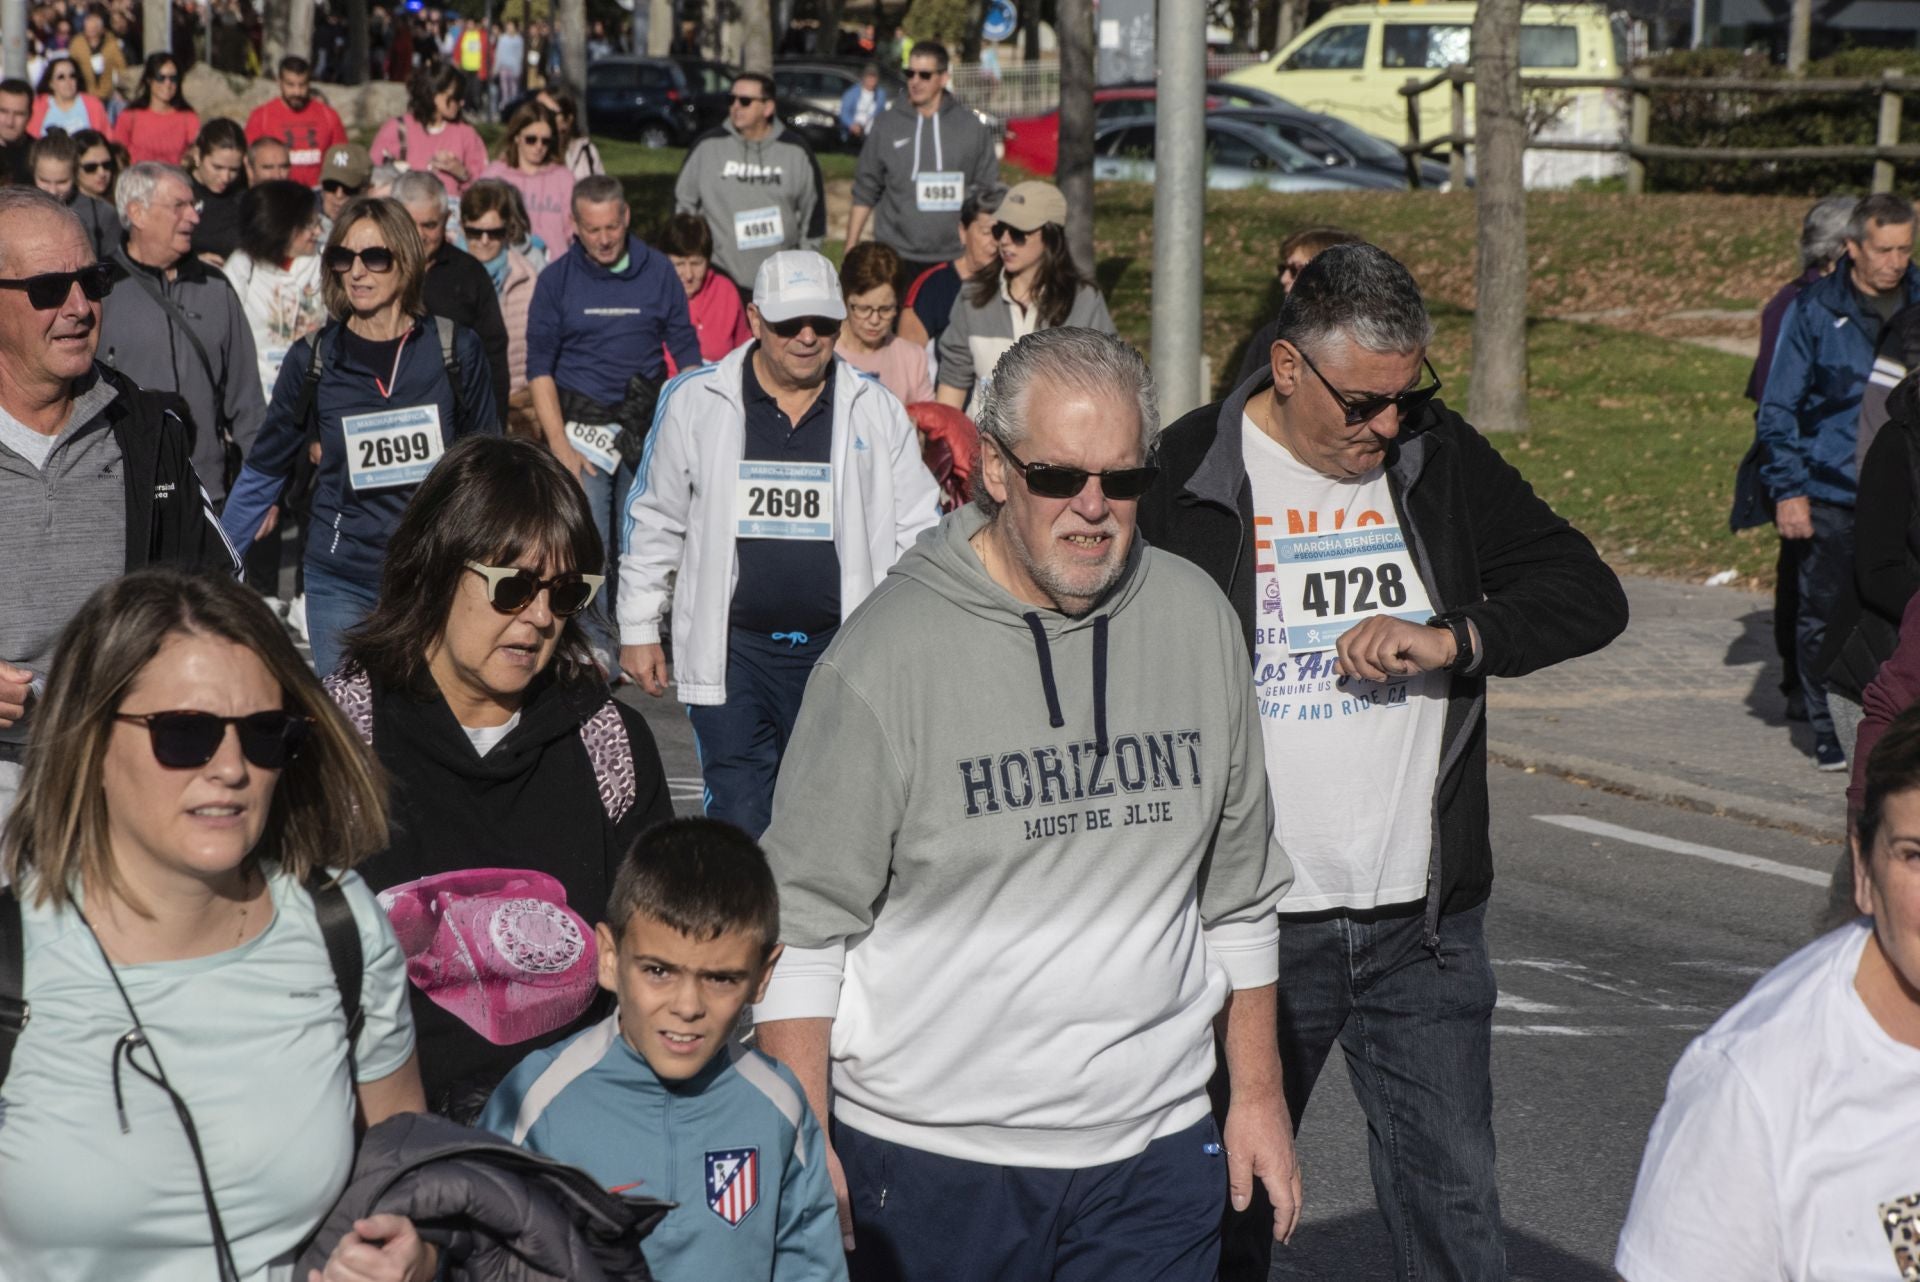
(1353, 764)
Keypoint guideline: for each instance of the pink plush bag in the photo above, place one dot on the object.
(498, 947)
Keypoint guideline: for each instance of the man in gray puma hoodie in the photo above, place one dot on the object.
(755, 181)
(1025, 857)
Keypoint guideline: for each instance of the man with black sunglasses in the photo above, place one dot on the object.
(1384, 561)
(96, 476)
(756, 182)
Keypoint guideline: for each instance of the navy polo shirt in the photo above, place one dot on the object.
(786, 585)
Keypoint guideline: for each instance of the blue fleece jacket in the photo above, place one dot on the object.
(350, 528)
(590, 329)
(735, 1146)
(1811, 408)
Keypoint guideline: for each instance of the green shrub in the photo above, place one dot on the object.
(1771, 120)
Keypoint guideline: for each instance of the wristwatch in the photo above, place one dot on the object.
(1456, 623)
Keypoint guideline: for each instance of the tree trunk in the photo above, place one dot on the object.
(662, 28)
(1799, 36)
(1497, 399)
(970, 37)
(299, 28)
(829, 42)
(357, 73)
(756, 36)
(1075, 176)
(570, 28)
(273, 35)
(1243, 25)
(1292, 20)
(1030, 11)
(156, 26)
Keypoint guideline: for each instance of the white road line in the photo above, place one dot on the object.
(1507, 1001)
(1654, 841)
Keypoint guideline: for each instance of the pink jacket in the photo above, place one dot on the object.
(718, 317)
(516, 296)
(420, 147)
(548, 196)
(153, 135)
(96, 113)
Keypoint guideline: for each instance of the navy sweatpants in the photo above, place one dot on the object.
(919, 1217)
(741, 741)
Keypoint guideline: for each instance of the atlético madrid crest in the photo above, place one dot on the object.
(733, 1183)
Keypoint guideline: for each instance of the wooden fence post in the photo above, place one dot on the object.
(1639, 119)
(1889, 135)
(1457, 153)
(1413, 136)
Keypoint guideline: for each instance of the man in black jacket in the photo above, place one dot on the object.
(96, 476)
(1384, 561)
(457, 286)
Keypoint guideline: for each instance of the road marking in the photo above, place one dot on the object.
(1654, 841)
(1602, 1030)
(1507, 1001)
(1578, 973)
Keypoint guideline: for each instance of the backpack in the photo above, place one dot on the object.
(310, 385)
(330, 908)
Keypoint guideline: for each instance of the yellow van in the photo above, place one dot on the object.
(1352, 62)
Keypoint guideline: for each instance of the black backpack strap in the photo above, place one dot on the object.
(452, 362)
(342, 937)
(14, 1011)
(310, 385)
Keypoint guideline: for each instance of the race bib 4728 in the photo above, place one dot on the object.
(1330, 583)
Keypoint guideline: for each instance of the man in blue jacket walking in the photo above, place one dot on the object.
(1809, 416)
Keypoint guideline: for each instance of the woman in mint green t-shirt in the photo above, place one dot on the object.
(181, 1103)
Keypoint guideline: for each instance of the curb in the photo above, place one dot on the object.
(1614, 777)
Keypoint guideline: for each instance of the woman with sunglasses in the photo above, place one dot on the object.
(276, 270)
(1031, 285)
(495, 223)
(529, 159)
(215, 165)
(60, 103)
(98, 165)
(158, 124)
(53, 161)
(475, 684)
(576, 150)
(430, 137)
(182, 1101)
(392, 388)
(870, 279)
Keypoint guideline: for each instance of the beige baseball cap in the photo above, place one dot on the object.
(1029, 206)
(347, 164)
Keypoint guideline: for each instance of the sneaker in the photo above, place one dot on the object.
(1796, 706)
(1827, 754)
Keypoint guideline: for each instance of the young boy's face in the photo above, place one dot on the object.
(679, 996)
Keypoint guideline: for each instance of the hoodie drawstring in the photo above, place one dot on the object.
(1044, 653)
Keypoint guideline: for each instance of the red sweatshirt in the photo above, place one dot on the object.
(307, 132)
(153, 135)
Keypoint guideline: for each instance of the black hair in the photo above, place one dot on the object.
(17, 87)
(700, 877)
(1056, 281)
(271, 215)
(764, 81)
(685, 236)
(53, 64)
(143, 96)
(429, 83)
(1892, 767)
(981, 200)
(490, 499)
(295, 64)
(930, 49)
(220, 134)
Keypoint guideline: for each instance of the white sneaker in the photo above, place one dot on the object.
(297, 617)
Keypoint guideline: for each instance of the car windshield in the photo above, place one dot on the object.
(1368, 147)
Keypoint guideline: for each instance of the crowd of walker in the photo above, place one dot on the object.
(1074, 784)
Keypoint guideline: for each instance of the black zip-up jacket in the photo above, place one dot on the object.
(1485, 545)
(170, 519)
(457, 287)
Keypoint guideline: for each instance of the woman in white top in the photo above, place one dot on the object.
(1788, 1148)
(181, 1104)
(276, 271)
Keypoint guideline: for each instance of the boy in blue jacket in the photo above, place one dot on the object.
(659, 1099)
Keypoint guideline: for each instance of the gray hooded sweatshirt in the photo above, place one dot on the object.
(1023, 857)
(757, 197)
(915, 171)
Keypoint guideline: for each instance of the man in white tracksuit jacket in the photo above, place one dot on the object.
(777, 488)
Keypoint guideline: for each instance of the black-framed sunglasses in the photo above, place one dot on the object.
(1364, 409)
(824, 326)
(511, 589)
(376, 258)
(746, 100)
(50, 289)
(485, 233)
(1011, 232)
(166, 78)
(921, 74)
(94, 166)
(334, 187)
(1052, 481)
(545, 140)
(188, 740)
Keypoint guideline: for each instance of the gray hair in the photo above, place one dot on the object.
(599, 189)
(137, 185)
(416, 188)
(1823, 232)
(1066, 359)
(34, 202)
(1358, 294)
(382, 179)
(1883, 208)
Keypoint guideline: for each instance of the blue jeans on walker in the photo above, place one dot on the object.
(607, 500)
(334, 604)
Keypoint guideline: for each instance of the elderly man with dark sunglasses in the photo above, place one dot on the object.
(95, 475)
(777, 487)
(1384, 562)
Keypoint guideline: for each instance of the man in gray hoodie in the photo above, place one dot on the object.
(922, 159)
(1025, 857)
(755, 182)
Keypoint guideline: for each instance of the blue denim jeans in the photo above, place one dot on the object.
(740, 742)
(1826, 566)
(606, 499)
(334, 604)
(1417, 1032)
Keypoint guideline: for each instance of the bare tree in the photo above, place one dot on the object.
(970, 33)
(356, 43)
(756, 36)
(156, 28)
(570, 22)
(829, 43)
(1074, 21)
(1498, 398)
(1030, 11)
(1799, 36)
(1291, 22)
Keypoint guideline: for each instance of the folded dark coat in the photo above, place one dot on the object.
(498, 1213)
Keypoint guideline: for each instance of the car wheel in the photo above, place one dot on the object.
(656, 136)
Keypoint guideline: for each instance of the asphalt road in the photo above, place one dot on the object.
(1611, 955)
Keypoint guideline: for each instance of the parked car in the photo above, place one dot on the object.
(647, 99)
(810, 90)
(711, 84)
(1239, 155)
(1033, 142)
(1338, 143)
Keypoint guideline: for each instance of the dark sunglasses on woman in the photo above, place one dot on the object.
(486, 233)
(94, 166)
(50, 289)
(189, 740)
(1011, 232)
(511, 589)
(376, 258)
(1052, 481)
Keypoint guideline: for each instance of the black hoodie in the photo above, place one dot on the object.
(532, 802)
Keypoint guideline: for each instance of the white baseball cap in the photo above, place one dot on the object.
(795, 283)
